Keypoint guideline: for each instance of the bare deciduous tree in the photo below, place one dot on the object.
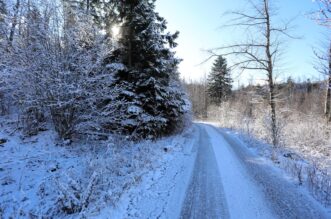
(328, 93)
(323, 15)
(199, 98)
(323, 65)
(323, 18)
(260, 50)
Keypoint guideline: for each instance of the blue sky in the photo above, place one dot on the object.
(199, 20)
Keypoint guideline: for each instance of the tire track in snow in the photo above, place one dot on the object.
(245, 199)
(205, 196)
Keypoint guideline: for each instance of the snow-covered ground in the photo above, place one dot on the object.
(43, 177)
(204, 172)
(162, 191)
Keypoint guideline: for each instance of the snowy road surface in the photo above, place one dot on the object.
(229, 181)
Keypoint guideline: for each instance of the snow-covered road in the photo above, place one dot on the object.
(229, 181)
(205, 196)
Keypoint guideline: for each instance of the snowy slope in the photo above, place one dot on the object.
(41, 177)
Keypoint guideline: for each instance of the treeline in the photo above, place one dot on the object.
(291, 93)
(62, 59)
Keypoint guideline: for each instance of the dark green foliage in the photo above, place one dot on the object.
(151, 101)
(219, 81)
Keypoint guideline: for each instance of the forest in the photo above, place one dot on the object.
(62, 60)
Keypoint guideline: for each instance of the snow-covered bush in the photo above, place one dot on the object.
(32, 120)
(105, 175)
(72, 197)
(54, 75)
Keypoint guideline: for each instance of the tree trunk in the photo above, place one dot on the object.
(205, 102)
(272, 101)
(87, 7)
(130, 29)
(14, 23)
(328, 91)
(205, 97)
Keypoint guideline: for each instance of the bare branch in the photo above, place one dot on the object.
(237, 46)
(243, 15)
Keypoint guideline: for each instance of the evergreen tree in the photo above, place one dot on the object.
(219, 81)
(148, 97)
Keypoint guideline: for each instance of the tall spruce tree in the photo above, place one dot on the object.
(147, 97)
(219, 81)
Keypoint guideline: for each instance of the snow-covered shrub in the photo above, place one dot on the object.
(54, 75)
(64, 120)
(73, 197)
(106, 174)
(32, 120)
(319, 183)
